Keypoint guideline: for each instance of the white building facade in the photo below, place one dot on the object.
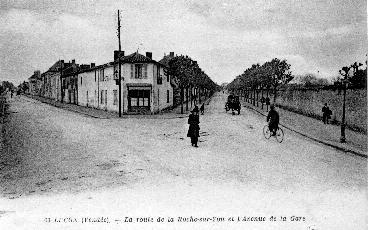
(146, 87)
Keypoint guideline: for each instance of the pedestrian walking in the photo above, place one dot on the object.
(326, 113)
(193, 122)
(202, 109)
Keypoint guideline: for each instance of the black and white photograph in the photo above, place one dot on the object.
(183, 114)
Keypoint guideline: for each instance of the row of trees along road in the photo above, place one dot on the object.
(270, 76)
(190, 77)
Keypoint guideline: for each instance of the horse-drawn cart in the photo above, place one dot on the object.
(233, 104)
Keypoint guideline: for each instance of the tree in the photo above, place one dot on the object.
(277, 73)
(359, 77)
(189, 75)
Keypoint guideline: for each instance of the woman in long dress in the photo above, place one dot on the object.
(193, 131)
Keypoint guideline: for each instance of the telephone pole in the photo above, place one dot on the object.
(119, 64)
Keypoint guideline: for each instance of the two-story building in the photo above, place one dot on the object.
(145, 85)
(52, 81)
(35, 83)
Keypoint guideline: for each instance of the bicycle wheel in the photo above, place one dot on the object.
(266, 132)
(279, 135)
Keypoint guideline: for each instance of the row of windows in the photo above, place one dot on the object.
(137, 97)
(138, 71)
(103, 96)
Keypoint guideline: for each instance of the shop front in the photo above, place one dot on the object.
(139, 98)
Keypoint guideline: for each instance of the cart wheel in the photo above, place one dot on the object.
(266, 132)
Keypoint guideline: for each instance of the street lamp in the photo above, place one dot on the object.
(345, 73)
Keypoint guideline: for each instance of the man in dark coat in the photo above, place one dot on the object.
(202, 109)
(326, 113)
(193, 122)
(273, 120)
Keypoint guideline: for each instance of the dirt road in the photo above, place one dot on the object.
(59, 163)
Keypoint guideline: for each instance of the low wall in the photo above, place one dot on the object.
(310, 103)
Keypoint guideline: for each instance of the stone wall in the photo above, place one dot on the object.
(310, 102)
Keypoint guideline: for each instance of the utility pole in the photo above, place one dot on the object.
(119, 64)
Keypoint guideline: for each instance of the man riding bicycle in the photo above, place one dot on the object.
(273, 120)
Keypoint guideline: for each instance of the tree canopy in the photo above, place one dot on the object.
(189, 74)
(271, 74)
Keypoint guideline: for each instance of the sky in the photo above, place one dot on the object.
(225, 36)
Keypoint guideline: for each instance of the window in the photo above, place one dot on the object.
(159, 78)
(81, 80)
(139, 98)
(138, 71)
(95, 75)
(115, 92)
(167, 78)
(101, 73)
(168, 96)
(105, 97)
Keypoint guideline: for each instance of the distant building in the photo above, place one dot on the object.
(35, 84)
(52, 81)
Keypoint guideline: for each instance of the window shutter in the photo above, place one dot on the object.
(131, 71)
(145, 70)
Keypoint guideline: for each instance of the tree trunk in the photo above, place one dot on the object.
(191, 97)
(199, 95)
(187, 98)
(267, 97)
(182, 99)
(262, 97)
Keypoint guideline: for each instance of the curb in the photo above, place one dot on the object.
(61, 107)
(355, 152)
(104, 117)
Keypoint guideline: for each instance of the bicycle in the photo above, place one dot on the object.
(279, 133)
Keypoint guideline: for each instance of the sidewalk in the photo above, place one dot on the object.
(314, 129)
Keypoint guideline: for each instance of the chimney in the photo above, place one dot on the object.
(149, 55)
(171, 54)
(116, 54)
(73, 61)
(93, 65)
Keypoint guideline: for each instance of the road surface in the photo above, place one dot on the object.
(61, 164)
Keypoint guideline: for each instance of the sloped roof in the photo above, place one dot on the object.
(72, 69)
(55, 67)
(135, 57)
(165, 60)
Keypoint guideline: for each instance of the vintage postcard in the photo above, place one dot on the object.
(183, 114)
